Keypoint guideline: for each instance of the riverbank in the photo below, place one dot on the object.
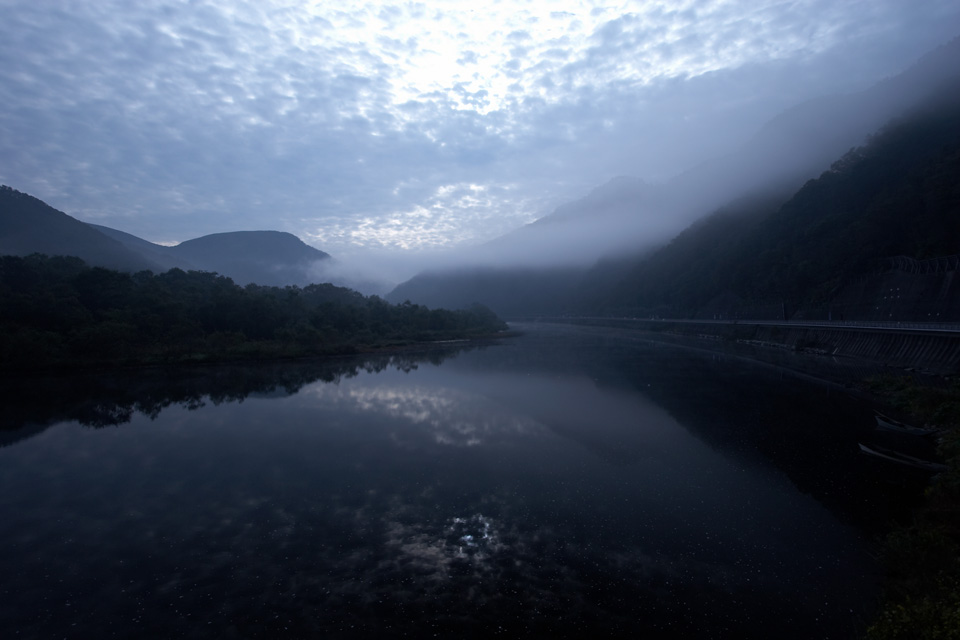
(250, 353)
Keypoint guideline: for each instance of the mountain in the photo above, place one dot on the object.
(829, 249)
(264, 257)
(628, 215)
(580, 231)
(157, 254)
(533, 280)
(29, 225)
(510, 292)
(785, 152)
(271, 258)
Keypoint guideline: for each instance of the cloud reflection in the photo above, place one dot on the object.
(448, 417)
(464, 544)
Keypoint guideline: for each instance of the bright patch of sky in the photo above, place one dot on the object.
(503, 54)
(486, 58)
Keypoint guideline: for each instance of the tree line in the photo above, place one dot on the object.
(60, 312)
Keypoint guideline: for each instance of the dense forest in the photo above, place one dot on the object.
(60, 312)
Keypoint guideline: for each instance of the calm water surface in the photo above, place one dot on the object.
(566, 482)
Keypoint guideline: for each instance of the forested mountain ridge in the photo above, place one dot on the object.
(28, 225)
(897, 195)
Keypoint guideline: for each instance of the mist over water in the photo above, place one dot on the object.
(567, 482)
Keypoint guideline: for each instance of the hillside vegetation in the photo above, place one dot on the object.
(897, 195)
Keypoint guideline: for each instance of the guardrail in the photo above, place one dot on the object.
(893, 326)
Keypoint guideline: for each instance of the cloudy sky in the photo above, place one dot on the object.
(406, 125)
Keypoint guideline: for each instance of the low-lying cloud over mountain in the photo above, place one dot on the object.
(628, 214)
(531, 270)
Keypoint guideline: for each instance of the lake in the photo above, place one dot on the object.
(566, 482)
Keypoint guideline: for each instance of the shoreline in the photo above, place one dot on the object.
(272, 354)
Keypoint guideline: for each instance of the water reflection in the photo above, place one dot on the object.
(464, 543)
(565, 483)
(110, 399)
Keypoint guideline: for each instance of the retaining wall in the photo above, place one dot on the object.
(934, 352)
(902, 348)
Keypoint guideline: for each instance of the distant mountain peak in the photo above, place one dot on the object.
(262, 244)
(263, 257)
(28, 225)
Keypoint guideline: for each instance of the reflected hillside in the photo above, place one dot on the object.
(34, 404)
(759, 414)
(806, 428)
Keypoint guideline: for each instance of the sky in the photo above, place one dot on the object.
(406, 127)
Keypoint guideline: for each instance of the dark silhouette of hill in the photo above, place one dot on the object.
(29, 225)
(264, 257)
(896, 196)
(270, 258)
